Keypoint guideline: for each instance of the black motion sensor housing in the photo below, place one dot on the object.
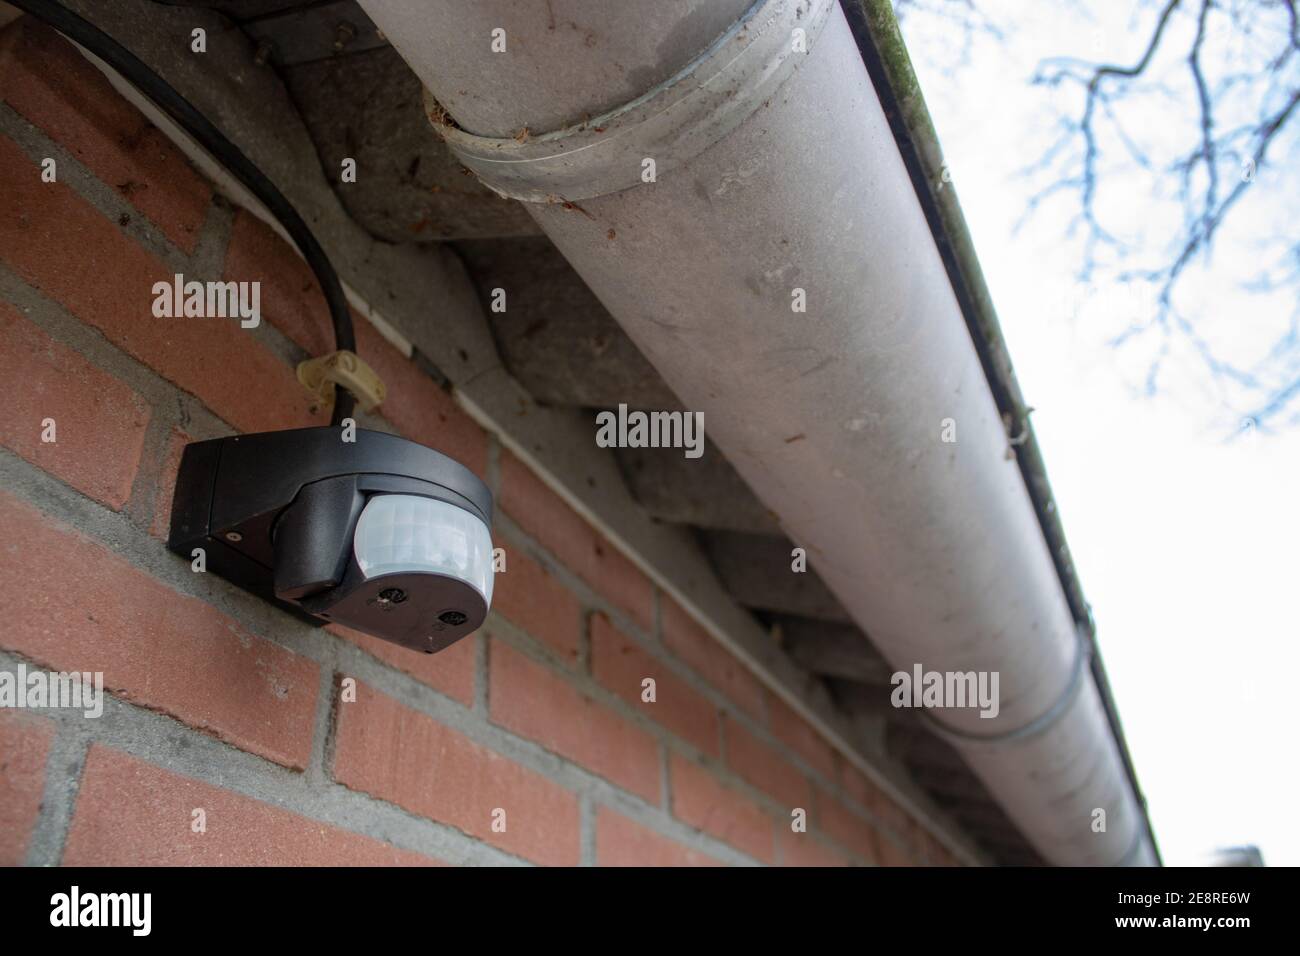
(381, 534)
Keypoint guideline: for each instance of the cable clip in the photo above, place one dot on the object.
(320, 376)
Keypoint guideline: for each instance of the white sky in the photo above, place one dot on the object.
(1186, 543)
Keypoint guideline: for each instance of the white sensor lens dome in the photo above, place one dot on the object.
(405, 533)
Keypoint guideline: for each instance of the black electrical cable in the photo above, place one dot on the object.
(223, 150)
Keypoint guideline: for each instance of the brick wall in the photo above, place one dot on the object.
(220, 703)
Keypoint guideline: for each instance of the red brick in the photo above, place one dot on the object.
(800, 736)
(533, 701)
(938, 854)
(291, 296)
(71, 604)
(911, 838)
(449, 672)
(168, 468)
(24, 746)
(623, 842)
(869, 795)
(858, 786)
(293, 302)
(60, 244)
(696, 646)
(45, 80)
(891, 853)
(409, 759)
(99, 422)
(531, 598)
(804, 849)
(847, 829)
(578, 545)
(131, 813)
(701, 801)
(621, 666)
(762, 766)
(417, 407)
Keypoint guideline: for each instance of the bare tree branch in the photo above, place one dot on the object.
(1187, 128)
(1111, 91)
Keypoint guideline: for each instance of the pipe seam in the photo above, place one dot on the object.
(671, 123)
(1041, 723)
